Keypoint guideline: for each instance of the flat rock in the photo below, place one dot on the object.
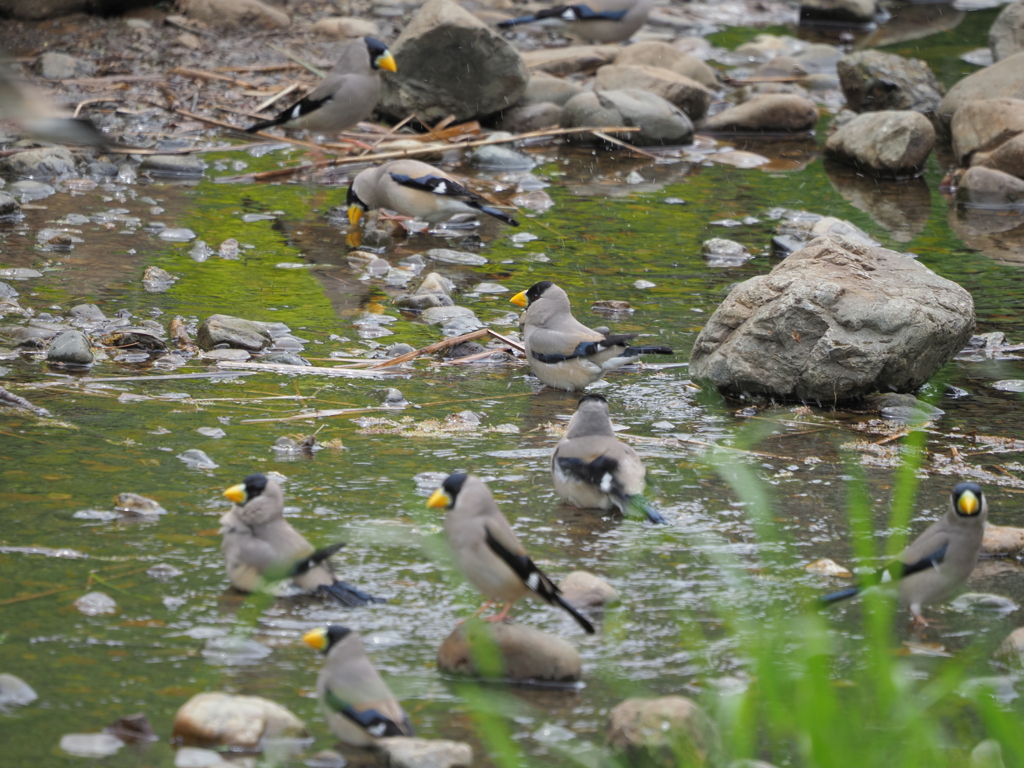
(496, 157)
(96, 604)
(892, 144)
(448, 256)
(834, 322)
(1006, 35)
(1002, 540)
(232, 331)
(90, 744)
(450, 63)
(547, 89)
(347, 26)
(768, 112)
(847, 11)
(222, 719)
(660, 122)
(15, 692)
(172, 166)
(984, 125)
(530, 117)
(244, 14)
(875, 80)
(1008, 157)
(573, 58)
(689, 95)
(409, 752)
(45, 163)
(59, 66)
(669, 731)
(1003, 80)
(525, 653)
(990, 188)
(651, 53)
(70, 348)
(441, 315)
(585, 590)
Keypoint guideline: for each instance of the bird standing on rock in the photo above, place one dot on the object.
(593, 470)
(357, 704)
(260, 546)
(488, 552)
(563, 353)
(939, 560)
(349, 93)
(416, 189)
(601, 21)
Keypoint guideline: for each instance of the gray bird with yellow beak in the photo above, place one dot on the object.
(357, 704)
(564, 353)
(938, 561)
(419, 190)
(349, 93)
(488, 552)
(261, 547)
(599, 21)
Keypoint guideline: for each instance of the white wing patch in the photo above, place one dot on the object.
(606, 482)
(377, 730)
(441, 188)
(533, 581)
(886, 577)
(569, 14)
(296, 112)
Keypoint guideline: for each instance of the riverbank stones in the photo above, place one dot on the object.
(669, 731)
(773, 112)
(890, 144)
(874, 80)
(233, 332)
(70, 348)
(410, 752)
(519, 653)
(659, 121)
(223, 719)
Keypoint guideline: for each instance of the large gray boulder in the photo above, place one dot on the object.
(689, 95)
(984, 125)
(768, 112)
(669, 732)
(660, 122)
(832, 323)
(223, 719)
(450, 63)
(893, 144)
(508, 651)
(1004, 79)
(45, 163)
(651, 53)
(70, 348)
(990, 188)
(874, 80)
(1006, 35)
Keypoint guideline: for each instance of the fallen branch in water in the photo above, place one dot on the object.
(435, 347)
(305, 370)
(16, 401)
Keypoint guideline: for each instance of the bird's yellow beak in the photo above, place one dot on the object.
(355, 213)
(316, 638)
(236, 493)
(387, 61)
(520, 299)
(968, 503)
(439, 498)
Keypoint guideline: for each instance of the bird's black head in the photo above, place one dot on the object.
(589, 398)
(968, 499)
(380, 56)
(254, 486)
(536, 290)
(335, 634)
(449, 491)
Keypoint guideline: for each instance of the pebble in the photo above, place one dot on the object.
(177, 234)
(448, 256)
(15, 692)
(70, 348)
(196, 757)
(493, 157)
(173, 166)
(643, 285)
(197, 459)
(27, 190)
(164, 572)
(828, 567)
(215, 432)
(90, 744)
(96, 604)
(979, 602)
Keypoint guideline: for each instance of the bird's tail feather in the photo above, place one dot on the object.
(500, 215)
(257, 127)
(842, 594)
(638, 503)
(348, 595)
(580, 619)
(520, 20)
(651, 350)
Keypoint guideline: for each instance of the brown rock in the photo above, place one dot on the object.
(585, 590)
(545, 88)
(985, 124)
(574, 58)
(347, 26)
(1006, 35)
(670, 731)
(782, 66)
(651, 53)
(410, 752)
(215, 718)
(530, 117)
(988, 187)
(1007, 157)
(508, 651)
(1002, 540)
(689, 95)
(771, 112)
(1003, 80)
(1012, 648)
(890, 143)
(246, 14)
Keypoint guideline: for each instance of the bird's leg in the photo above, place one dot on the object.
(487, 604)
(919, 622)
(503, 615)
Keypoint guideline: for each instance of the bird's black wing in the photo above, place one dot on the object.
(568, 13)
(298, 109)
(535, 579)
(437, 185)
(894, 571)
(307, 563)
(599, 473)
(586, 348)
(370, 720)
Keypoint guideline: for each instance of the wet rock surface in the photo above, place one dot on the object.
(833, 323)
(659, 121)
(1006, 35)
(1004, 79)
(233, 332)
(525, 653)
(45, 163)
(70, 348)
(890, 143)
(875, 80)
(669, 731)
(222, 719)
(585, 590)
(768, 112)
(408, 752)
(990, 188)
(689, 95)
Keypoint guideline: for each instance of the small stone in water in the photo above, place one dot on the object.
(15, 692)
(827, 567)
(90, 744)
(448, 256)
(95, 514)
(634, 177)
(551, 733)
(195, 757)
(197, 459)
(229, 249)
(215, 432)
(663, 425)
(234, 651)
(157, 280)
(164, 572)
(96, 604)
(137, 505)
(1009, 385)
(643, 285)
(326, 758)
(490, 288)
(727, 223)
(611, 306)
(980, 602)
(177, 235)
(200, 251)
(523, 237)
(674, 201)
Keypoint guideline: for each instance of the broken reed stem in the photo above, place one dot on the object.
(279, 95)
(624, 145)
(203, 75)
(435, 347)
(304, 64)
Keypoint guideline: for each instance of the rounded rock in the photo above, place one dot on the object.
(524, 653)
(669, 731)
(70, 348)
(215, 718)
(585, 590)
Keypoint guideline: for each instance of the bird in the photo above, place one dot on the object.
(260, 546)
(349, 93)
(416, 189)
(939, 560)
(592, 469)
(563, 353)
(357, 704)
(601, 21)
(487, 550)
(40, 118)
